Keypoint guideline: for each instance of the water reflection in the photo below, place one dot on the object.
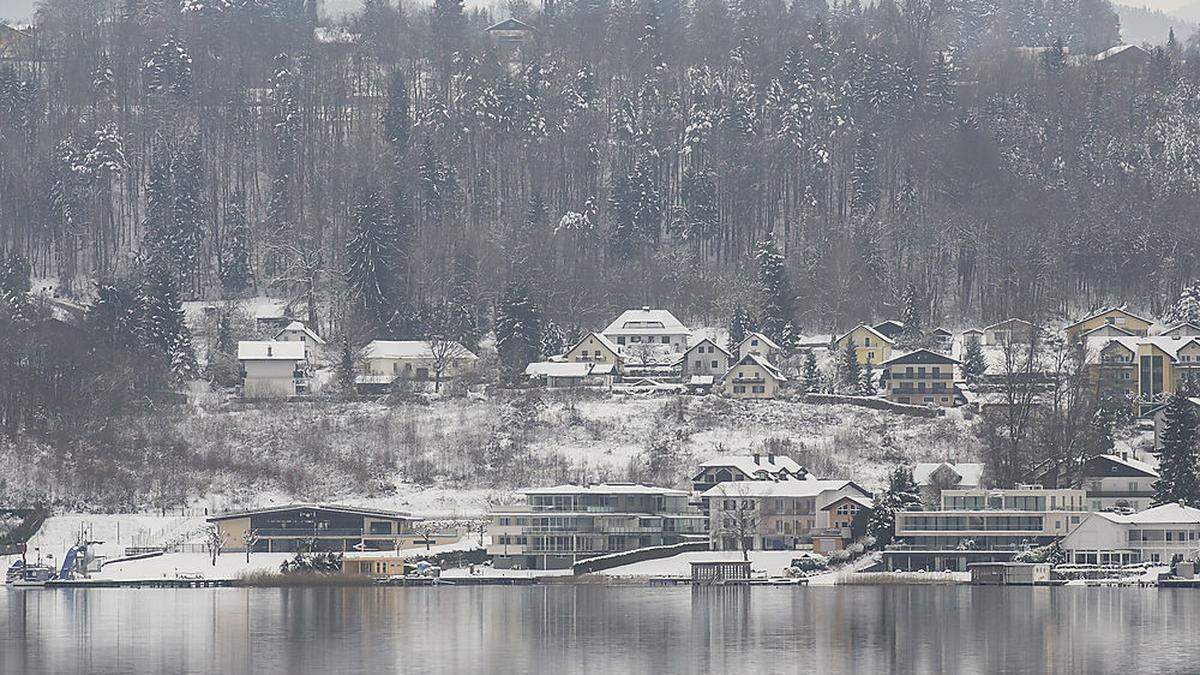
(573, 629)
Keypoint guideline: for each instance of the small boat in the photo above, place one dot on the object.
(24, 575)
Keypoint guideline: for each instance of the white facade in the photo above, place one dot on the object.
(706, 358)
(1154, 535)
(272, 369)
(649, 327)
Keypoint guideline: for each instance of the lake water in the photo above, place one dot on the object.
(578, 629)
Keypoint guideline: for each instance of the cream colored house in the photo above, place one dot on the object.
(416, 360)
(647, 327)
(595, 348)
(1121, 318)
(272, 369)
(870, 345)
(706, 359)
(761, 345)
(298, 332)
(770, 514)
(1009, 331)
(753, 377)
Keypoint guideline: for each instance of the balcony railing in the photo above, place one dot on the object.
(309, 532)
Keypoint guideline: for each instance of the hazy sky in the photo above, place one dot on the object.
(17, 10)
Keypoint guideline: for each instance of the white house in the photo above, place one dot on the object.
(566, 374)
(298, 332)
(758, 466)
(272, 369)
(648, 326)
(772, 515)
(416, 360)
(706, 359)
(1154, 535)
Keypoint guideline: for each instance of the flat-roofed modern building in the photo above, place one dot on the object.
(983, 526)
(316, 527)
(559, 526)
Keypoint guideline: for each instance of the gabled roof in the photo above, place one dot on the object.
(782, 488)
(865, 502)
(747, 465)
(970, 473)
(374, 513)
(298, 327)
(760, 337)
(1185, 324)
(509, 24)
(755, 359)
(1102, 312)
(920, 356)
(874, 332)
(1009, 320)
(713, 343)
(1120, 49)
(409, 349)
(942, 331)
(889, 328)
(1165, 343)
(973, 331)
(1128, 467)
(1099, 331)
(645, 320)
(263, 350)
(608, 344)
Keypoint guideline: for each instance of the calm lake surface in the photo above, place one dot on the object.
(577, 629)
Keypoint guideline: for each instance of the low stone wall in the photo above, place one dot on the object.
(876, 403)
(607, 562)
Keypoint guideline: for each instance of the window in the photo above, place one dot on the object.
(867, 342)
(714, 364)
(620, 339)
(759, 389)
(701, 363)
(739, 389)
(666, 340)
(380, 528)
(754, 343)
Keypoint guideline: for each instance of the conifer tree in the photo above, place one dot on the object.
(15, 285)
(740, 326)
(866, 381)
(225, 343)
(812, 377)
(1177, 465)
(973, 363)
(902, 494)
(371, 261)
(518, 328)
(346, 365)
(848, 367)
(236, 273)
(163, 330)
(779, 306)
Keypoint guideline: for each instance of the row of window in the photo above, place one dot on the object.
(757, 389)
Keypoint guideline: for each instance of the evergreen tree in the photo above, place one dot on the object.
(225, 342)
(464, 325)
(15, 285)
(554, 340)
(902, 494)
(371, 255)
(740, 326)
(518, 328)
(236, 273)
(346, 365)
(778, 309)
(114, 317)
(812, 377)
(913, 335)
(865, 175)
(973, 363)
(849, 370)
(163, 330)
(1187, 307)
(866, 381)
(1177, 465)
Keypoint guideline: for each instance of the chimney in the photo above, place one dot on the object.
(756, 459)
(645, 308)
(268, 350)
(771, 457)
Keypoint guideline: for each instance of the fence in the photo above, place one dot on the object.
(876, 403)
(612, 560)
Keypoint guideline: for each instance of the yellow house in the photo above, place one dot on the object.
(1145, 368)
(595, 348)
(870, 346)
(753, 377)
(920, 377)
(1123, 319)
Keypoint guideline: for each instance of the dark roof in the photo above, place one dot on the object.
(921, 356)
(890, 328)
(1114, 466)
(374, 513)
(509, 24)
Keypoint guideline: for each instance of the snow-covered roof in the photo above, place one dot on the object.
(755, 359)
(747, 464)
(374, 513)
(1136, 465)
(509, 24)
(646, 321)
(608, 344)
(559, 369)
(874, 332)
(270, 350)
(712, 342)
(760, 337)
(916, 355)
(972, 331)
(969, 473)
(1172, 513)
(298, 327)
(1104, 311)
(1101, 331)
(771, 488)
(331, 35)
(410, 349)
(607, 489)
(1168, 344)
(702, 380)
(1183, 328)
(1014, 319)
(1119, 49)
(865, 502)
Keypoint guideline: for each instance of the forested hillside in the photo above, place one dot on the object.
(633, 154)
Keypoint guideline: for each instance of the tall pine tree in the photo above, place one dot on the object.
(1177, 469)
(779, 304)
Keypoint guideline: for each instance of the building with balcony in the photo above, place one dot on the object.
(314, 527)
(921, 377)
(273, 369)
(1117, 482)
(774, 515)
(757, 466)
(559, 526)
(757, 343)
(753, 377)
(1155, 535)
(1121, 318)
(983, 526)
(1146, 369)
